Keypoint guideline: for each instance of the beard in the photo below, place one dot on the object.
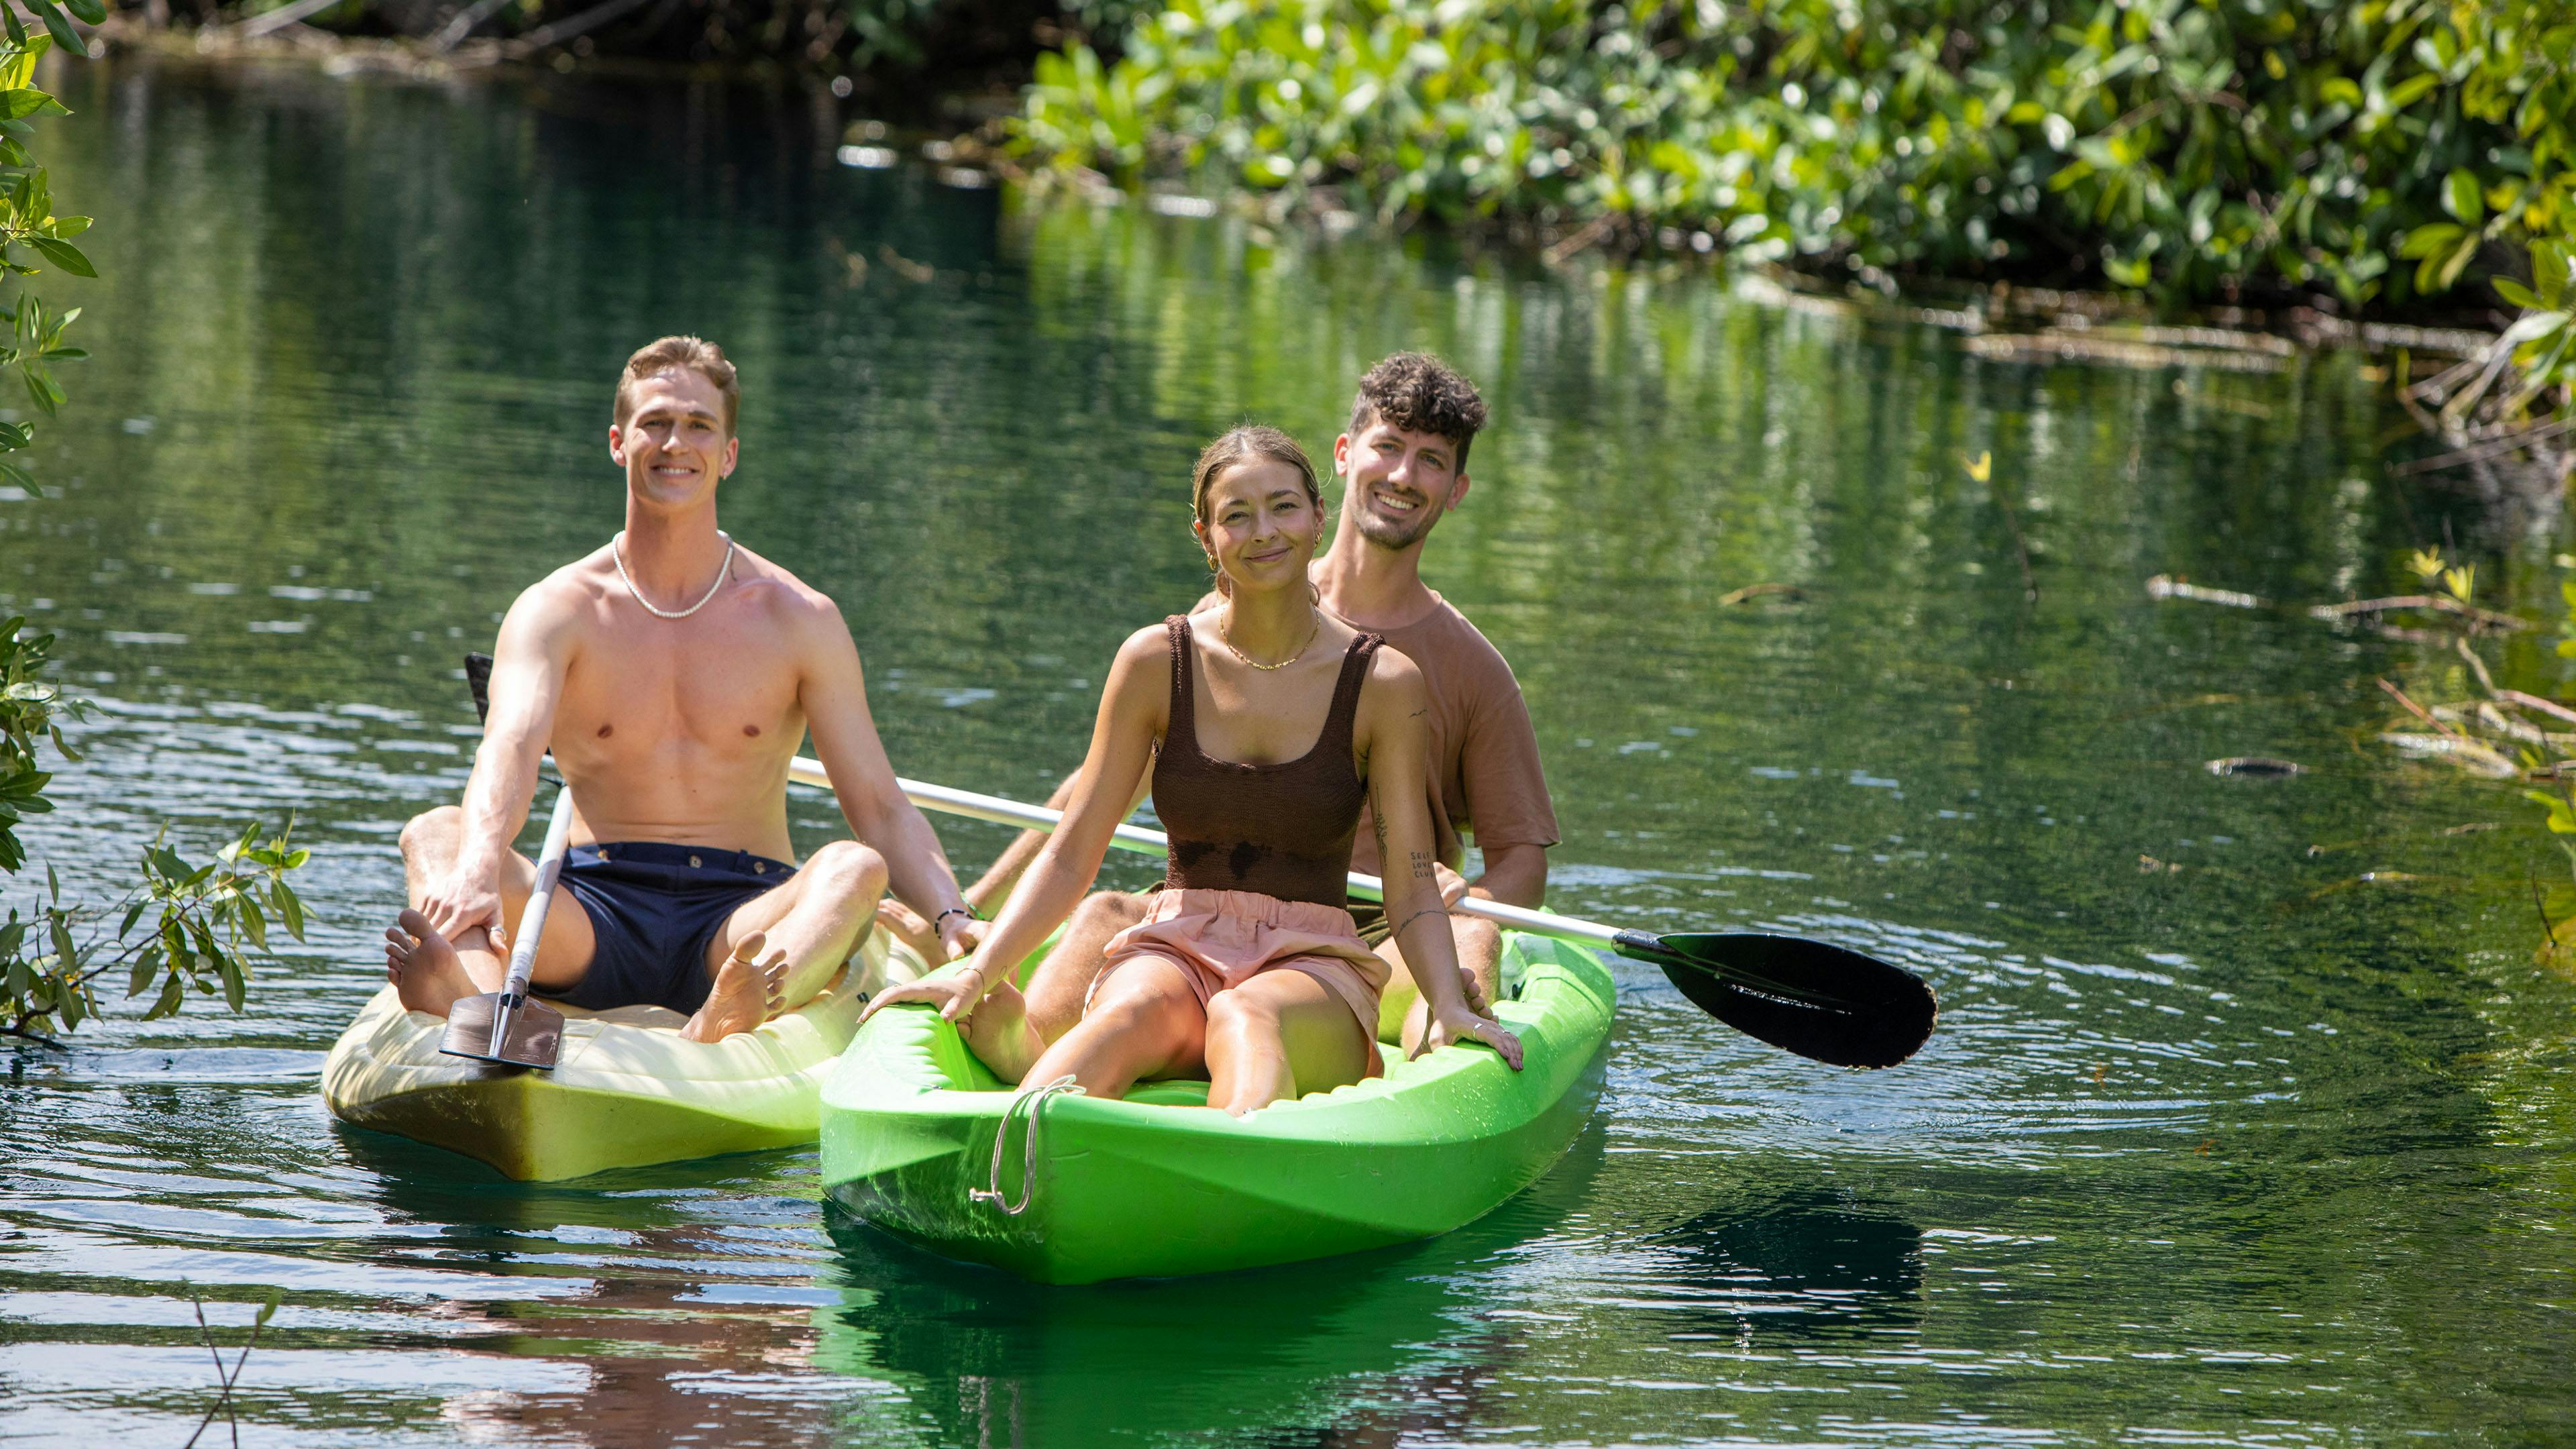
(1396, 534)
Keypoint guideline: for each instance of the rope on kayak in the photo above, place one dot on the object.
(992, 1192)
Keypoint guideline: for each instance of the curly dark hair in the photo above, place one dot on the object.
(1420, 394)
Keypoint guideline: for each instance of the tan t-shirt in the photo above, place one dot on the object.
(1483, 773)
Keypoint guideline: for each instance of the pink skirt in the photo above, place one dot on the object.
(1221, 939)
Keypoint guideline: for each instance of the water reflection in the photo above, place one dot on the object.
(1801, 1263)
(1308, 1354)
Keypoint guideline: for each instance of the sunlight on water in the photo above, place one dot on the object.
(2244, 1152)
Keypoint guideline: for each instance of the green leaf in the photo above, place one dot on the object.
(17, 31)
(253, 921)
(147, 965)
(41, 388)
(27, 101)
(90, 11)
(234, 986)
(290, 909)
(2459, 197)
(2410, 90)
(268, 1308)
(174, 989)
(63, 254)
(2425, 240)
(59, 26)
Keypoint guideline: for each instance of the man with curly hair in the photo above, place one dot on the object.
(1403, 464)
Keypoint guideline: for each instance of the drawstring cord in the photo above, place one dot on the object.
(992, 1193)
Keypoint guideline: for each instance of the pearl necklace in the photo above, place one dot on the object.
(617, 553)
(1314, 627)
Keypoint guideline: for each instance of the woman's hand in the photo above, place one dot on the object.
(956, 994)
(1457, 1023)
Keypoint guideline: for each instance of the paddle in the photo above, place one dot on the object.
(1819, 1000)
(504, 1026)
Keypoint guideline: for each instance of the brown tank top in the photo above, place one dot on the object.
(1284, 830)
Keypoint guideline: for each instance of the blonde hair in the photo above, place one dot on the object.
(678, 354)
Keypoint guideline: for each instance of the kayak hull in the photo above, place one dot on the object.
(1144, 1188)
(627, 1090)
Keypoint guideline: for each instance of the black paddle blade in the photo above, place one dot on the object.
(478, 682)
(1818, 1000)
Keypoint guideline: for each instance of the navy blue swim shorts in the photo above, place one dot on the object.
(654, 909)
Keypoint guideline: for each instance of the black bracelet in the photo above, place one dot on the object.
(967, 911)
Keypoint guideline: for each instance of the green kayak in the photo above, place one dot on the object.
(913, 1142)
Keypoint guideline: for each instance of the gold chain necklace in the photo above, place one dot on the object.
(1315, 626)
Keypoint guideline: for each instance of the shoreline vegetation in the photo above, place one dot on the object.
(2127, 181)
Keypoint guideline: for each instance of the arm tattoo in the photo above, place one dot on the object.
(1399, 931)
(1422, 865)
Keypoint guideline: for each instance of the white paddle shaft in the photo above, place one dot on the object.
(532, 922)
(1151, 842)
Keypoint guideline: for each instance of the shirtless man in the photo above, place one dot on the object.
(673, 672)
(1403, 461)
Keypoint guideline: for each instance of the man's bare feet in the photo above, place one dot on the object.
(745, 992)
(423, 966)
(999, 1032)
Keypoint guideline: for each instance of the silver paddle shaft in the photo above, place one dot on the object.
(1152, 842)
(532, 921)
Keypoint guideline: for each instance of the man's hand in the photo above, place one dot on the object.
(960, 935)
(1459, 1023)
(907, 927)
(1453, 886)
(957, 935)
(469, 899)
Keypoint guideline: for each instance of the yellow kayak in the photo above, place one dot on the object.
(627, 1091)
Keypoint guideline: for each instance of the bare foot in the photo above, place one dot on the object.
(999, 1032)
(425, 970)
(745, 992)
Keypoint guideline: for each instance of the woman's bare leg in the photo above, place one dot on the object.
(1277, 1036)
(1145, 1021)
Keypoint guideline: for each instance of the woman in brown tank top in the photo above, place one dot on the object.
(1267, 727)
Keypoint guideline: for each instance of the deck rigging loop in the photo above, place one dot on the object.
(1032, 1099)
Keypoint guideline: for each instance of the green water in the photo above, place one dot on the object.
(2255, 1152)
